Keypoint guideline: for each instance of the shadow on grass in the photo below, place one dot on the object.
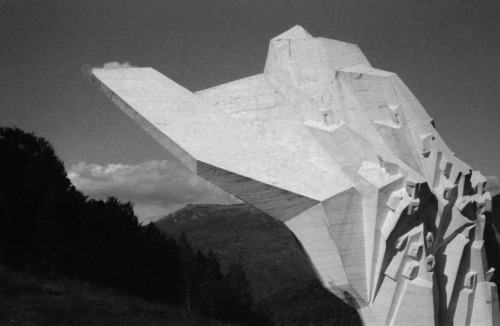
(32, 300)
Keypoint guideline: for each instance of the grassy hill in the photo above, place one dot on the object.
(34, 300)
(280, 276)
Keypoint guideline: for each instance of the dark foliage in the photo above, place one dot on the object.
(492, 239)
(35, 199)
(209, 292)
(282, 283)
(48, 227)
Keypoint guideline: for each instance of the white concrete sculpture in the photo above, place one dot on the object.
(348, 159)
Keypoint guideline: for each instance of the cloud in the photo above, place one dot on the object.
(155, 187)
(117, 65)
(87, 68)
(493, 184)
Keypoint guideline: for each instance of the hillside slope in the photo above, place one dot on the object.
(34, 300)
(244, 234)
(279, 273)
(49, 228)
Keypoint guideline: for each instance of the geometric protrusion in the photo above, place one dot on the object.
(415, 250)
(463, 203)
(429, 240)
(327, 117)
(401, 243)
(480, 204)
(470, 280)
(395, 113)
(394, 200)
(411, 187)
(410, 270)
(426, 140)
(478, 182)
(413, 206)
(447, 189)
(431, 262)
(487, 201)
(445, 166)
(489, 274)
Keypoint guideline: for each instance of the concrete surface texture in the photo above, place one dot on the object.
(345, 156)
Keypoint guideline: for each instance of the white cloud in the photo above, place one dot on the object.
(117, 65)
(493, 184)
(87, 68)
(155, 187)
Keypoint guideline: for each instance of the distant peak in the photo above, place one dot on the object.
(294, 33)
(210, 206)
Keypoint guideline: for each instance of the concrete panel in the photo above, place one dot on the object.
(346, 156)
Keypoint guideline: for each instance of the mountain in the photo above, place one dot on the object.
(244, 234)
(280, 277)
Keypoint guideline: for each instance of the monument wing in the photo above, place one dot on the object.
(345, 156)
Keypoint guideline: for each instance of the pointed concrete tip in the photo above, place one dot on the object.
(294, 33)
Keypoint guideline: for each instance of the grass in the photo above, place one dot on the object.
(33, 300)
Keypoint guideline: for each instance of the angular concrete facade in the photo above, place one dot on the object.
(344, 155)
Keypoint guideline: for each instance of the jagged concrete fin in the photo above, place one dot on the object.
(345, 156)
(295, 33)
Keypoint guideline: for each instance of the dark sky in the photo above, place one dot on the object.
(447, 52)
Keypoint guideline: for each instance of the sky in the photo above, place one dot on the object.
(447, 52)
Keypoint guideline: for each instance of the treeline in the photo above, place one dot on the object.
(279, 275)
(48, 227)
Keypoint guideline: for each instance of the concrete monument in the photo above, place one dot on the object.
(345, 156)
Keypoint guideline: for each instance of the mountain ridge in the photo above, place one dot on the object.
(280, 276)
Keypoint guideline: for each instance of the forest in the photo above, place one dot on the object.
(49, 228)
